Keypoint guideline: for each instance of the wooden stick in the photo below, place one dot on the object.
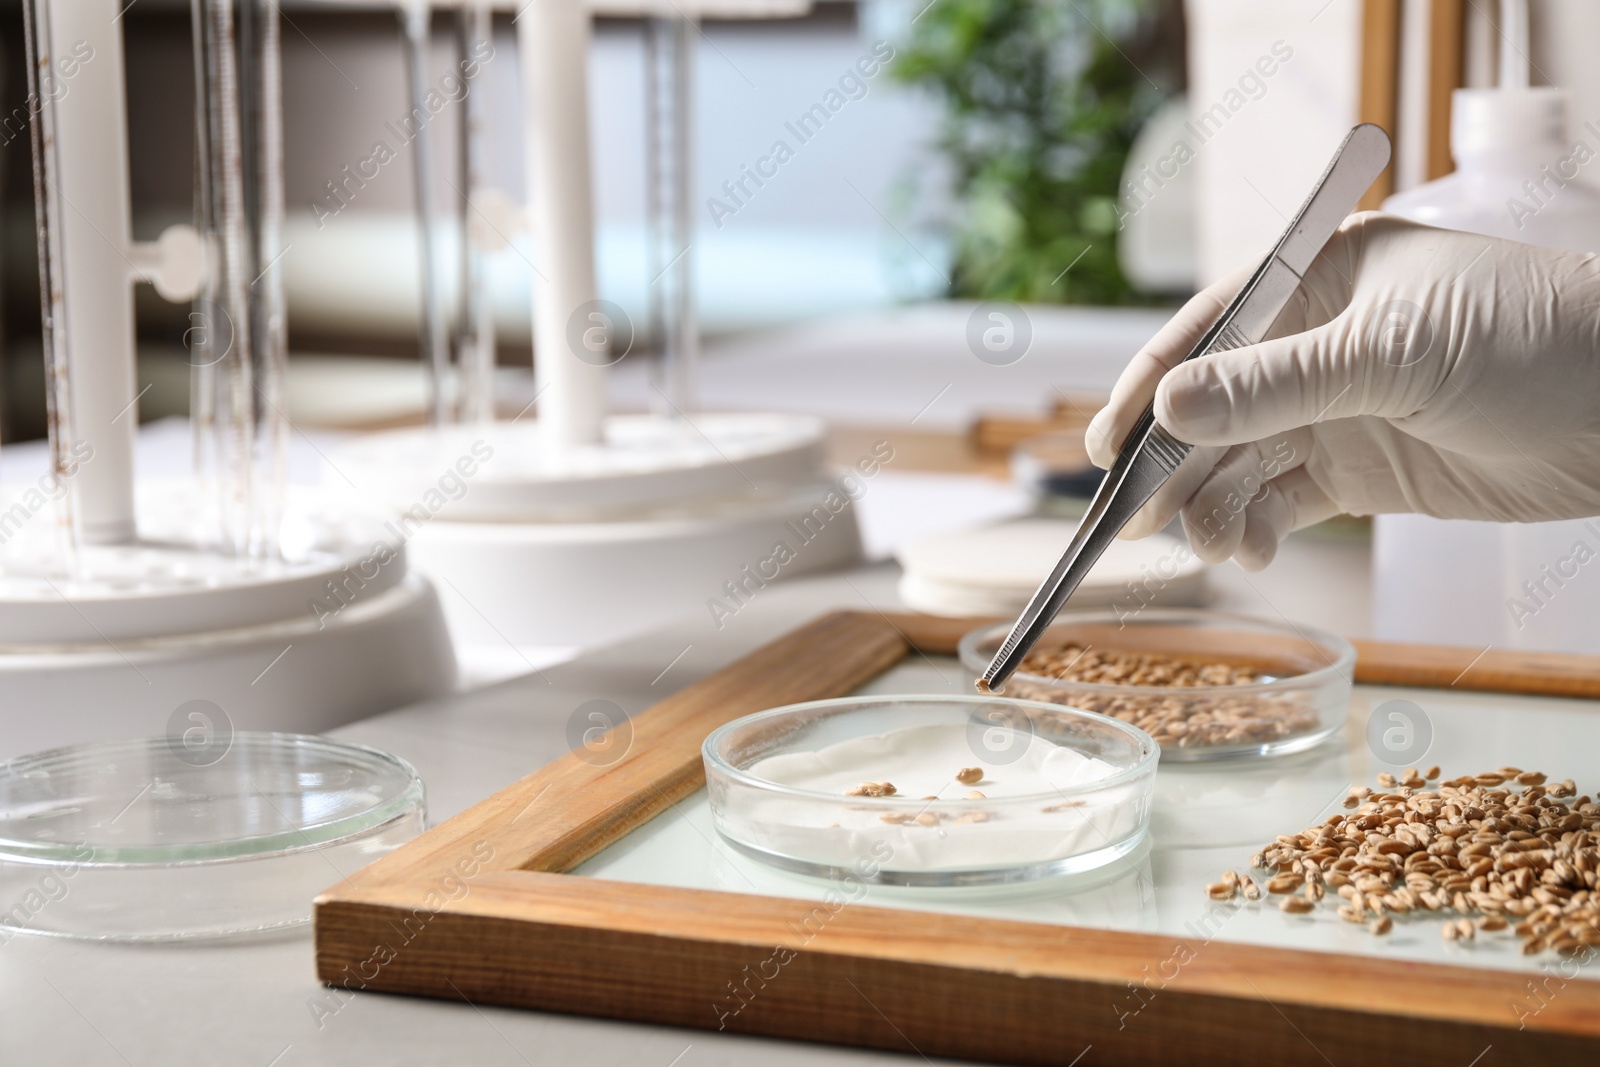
(1379, 100)
(1446, 41)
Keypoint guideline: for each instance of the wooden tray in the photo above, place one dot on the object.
(481, 908)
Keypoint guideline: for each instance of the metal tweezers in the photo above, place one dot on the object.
(1150, 455)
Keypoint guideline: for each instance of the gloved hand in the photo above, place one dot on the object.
(1415, 369)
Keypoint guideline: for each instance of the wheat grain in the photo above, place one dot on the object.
(1502, 847)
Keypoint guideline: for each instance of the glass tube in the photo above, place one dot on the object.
(238, 332)
(416, 20)
(669, 110)
(269, 316)
(52, 295)
(475, 341)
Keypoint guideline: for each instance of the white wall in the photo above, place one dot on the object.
(1255, 169)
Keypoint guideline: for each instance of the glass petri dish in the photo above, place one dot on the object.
(1301, 696)
(146, 840)
(1064, 791)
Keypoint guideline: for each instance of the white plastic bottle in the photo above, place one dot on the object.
(1521, 174)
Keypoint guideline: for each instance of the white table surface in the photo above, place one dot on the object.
(249, 1004)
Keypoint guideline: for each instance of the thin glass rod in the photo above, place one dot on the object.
(416, 18)
(52, 294)
(475, 339)
(669, 80)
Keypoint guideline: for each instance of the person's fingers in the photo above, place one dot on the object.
(1322, 296)
(1165, 504)
(1329, 284)
(1263, 390)
(1137, 383)
(1290, 502)
(1342, 347)
(1214, 516)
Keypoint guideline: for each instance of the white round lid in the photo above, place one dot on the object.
(995, 569)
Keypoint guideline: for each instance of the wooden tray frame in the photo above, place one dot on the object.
(480, 908)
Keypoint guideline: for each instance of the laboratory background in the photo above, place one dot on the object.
(577, 532)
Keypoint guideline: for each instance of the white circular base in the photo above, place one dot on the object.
(579, 583)
(995, 570)
(503, 473)
(305, 675)
(112, 644)
(167, 584)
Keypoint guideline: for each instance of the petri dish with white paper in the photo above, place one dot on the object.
(985, 791)
(151, 840)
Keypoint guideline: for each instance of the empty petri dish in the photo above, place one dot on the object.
(986, 791)
(147, 840)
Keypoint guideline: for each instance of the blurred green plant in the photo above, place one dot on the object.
(1042, 101)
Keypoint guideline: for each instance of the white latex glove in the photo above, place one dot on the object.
(1415, 369)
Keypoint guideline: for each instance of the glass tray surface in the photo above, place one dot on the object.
(1206, 818)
